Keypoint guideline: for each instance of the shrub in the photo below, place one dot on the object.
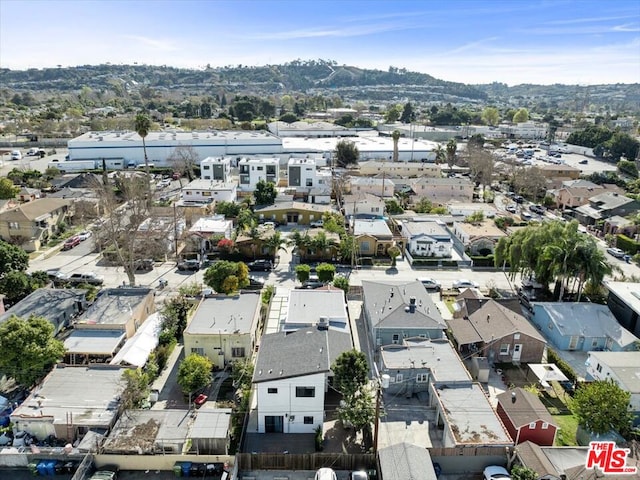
(552, 357)
(627, 244)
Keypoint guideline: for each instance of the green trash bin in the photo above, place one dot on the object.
(177, 469)
(33, 469)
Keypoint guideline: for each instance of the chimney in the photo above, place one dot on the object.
(488, 318)
(412, 305)
(513, 397)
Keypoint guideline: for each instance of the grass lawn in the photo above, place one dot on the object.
(566, 436)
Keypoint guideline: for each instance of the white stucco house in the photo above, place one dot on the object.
(208, 191)
(427, 238)
(216, 168)
(252, 170)
(292, 376)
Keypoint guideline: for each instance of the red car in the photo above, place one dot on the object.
(200, 399)
(71, 242)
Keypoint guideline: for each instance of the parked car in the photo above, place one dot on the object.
(108, 472)
(430, 283)
(494, 472)
(269, 225)
(200, 400)
(143, 265)
(359, 475)
(513, 208)
(539, 209)
(615, 252)
(317, 224)
(260, 266)
(71, 242)
(89, 278)
(84, 235)
(325, 474)
(518, 199)
(56, 275)
(583, 162)
(526, 217)
(464, 283)
(16, 155)
(192, 265)
(255, 283)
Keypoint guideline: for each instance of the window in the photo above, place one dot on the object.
(205, 167)
(309, 182)
(14, 225)
(364, 247)
(306, 392)
(308, 420)
(199, 351)
(532, 426)
(260, 169)
(399, 378)
(187, 192)
(272, 390)
(599, 368)
(237, 352)
(594, 342)
(395, 338)
(206, 194)
(422, 377)
(504, 349)
(545, 425)
(516, 336)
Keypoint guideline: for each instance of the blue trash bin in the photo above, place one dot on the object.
(186, 469)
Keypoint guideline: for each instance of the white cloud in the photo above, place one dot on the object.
(155, 44)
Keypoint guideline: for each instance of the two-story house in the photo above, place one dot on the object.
(301, 173)
(426, 238)
(478, 238)
(252, 170)
(363, 205)
(209, 191)
(216, 168)
(442, 190)
(380, 187)
(32, 223)
(292, 375)
(605, 205)
(399, 169)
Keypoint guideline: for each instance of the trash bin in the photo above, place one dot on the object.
(186, 468)
(177, 469)
(42, 468)
(33, 468)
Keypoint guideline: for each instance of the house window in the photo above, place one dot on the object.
(308, 420)
(260, 169)
(594, 342)
(272, 390)
(14, 225)
(206, 194)
(399, 378)
(422, 377)
(198, 351)
(187, 192)
(205, 167)
(306, 392)
(545, 425)
(504, 349)
(237, 352)
(364, 247)
(532, 426)
(516, 336)
(309, 182)
(599, 368)
(395, 338)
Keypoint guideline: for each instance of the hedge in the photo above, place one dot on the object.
(479, 261)
(564, 367)
(627, 244)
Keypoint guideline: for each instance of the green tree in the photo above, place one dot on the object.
(393, 207)
(393, 253)
(350, 370)
(227, 277)
(491, 116)
(521, 116)
(300, 242)
(7, 189)
(28, 349)
(408, 115)
(322, 245)
(136, 388)
(358, 410)
(142, 126)
(12, 258)
(342, 283)
(275, 243)
(228, 209)
(602, 406)
(16, 285)
(289, 118)
(303, 272)
(392, 114)
(627, 167)
(395, 135)
(194, 374)
(265, 193)
(174, 313)
(346, 153)
(424, 205)
(451, 149)
(518, 472)
(325, 272)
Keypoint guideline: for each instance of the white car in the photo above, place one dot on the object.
(325, 474)
(615, 252)
(429, 283)
(316, 224)
(84, 235)
(464, 283)
(494, 472)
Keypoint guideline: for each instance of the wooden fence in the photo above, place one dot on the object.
(308, 461)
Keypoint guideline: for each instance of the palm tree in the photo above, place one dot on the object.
(440, 155)
(452, 147)
(275, 243)
(142, 125)
(321, 243)
(396, 136)
(300, 242)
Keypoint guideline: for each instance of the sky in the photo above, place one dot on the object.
(471, 41)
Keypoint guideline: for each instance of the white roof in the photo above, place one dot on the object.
(211, 225)
(137, 349)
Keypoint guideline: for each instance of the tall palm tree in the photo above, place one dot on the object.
(322, 244)
(396, 136)
(142, 125)
(440, 155)
(275, 243)
(300, 241)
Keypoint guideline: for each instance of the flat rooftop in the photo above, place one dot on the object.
(225, 314)
(94, 342)
(128, 137)
(306, 307)
(114, 306)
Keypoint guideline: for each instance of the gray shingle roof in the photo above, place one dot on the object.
(303, 352)
(526, 409)
(406, 461)
(386, 303)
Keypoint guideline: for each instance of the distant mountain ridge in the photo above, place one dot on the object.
(313, 76)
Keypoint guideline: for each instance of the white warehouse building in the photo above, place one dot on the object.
(127, 145)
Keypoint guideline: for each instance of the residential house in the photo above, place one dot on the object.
(478, 238)
(209, 191)
(28, 194)
(71, 401)
(363, 205)
(605, 205)
(292, 213)
(203, 236)
(399, 169)
(124, 309)
(442, 191)
(308, 308)
(136, 350)
(582, 326)
(156, 236)
(624, 302)
(302, 173)
(405, 460)
(397, 310)
(426, 238)
(621, 367)
(311, 249)
(89, 346)
(574, 193)
(292, 376)
(76, 181)
(618, 225)
(59, 306)
(526, 418)
(216, 168)
(557, 173)
(417, 362)
(465, 416)
(252, 170)
(488, 210)
(380, 187)
(210, 431)
(565, 463)
(33, 223)
(223, 329)
(498, 333)
(374, 237)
